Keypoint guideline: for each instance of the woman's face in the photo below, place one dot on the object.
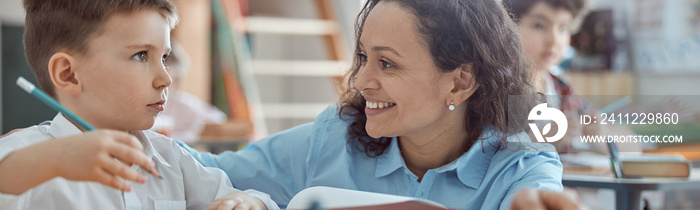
(404, 90)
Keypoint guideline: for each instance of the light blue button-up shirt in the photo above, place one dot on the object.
(317, 154)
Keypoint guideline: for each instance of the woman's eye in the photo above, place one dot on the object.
(141, 56)
(362, 58)
(386, 65)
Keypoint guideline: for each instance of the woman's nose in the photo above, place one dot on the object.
(365, 79)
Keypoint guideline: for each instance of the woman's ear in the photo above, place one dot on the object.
(464, 84)
(63, 74)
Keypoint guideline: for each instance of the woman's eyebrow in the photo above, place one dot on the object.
(385, 48)
(381, 48)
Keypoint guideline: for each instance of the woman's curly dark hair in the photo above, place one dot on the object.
(456, 32)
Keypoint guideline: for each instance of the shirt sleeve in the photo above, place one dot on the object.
(541, 171)
(276, 165)
(19, 140)
(5, 149)
(7, 199)
(11, 143)
(195, 176)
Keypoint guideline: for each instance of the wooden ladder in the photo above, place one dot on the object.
(326, 27)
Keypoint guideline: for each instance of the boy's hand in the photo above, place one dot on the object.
(102, 156)
(237, 201)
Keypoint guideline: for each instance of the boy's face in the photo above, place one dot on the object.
(546, 33)
(123, 77)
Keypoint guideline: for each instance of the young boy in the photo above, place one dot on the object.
(546, 27)
(104, 60)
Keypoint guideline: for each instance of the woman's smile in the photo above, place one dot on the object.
(373, 108)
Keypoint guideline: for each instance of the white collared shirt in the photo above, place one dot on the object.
(186, 184)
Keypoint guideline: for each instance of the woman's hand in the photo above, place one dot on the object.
(532, 199)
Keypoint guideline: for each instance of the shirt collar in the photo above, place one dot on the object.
(471, 167)
(390, 161)
(148, 148)
(61, 127)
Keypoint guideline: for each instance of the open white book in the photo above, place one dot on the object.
(337, 198)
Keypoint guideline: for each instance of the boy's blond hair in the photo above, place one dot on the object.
(55, 25)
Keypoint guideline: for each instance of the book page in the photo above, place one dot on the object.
(330, 197)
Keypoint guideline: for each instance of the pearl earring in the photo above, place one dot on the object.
(362, 92)
(452, 106)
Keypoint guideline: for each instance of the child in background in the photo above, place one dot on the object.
(546, 27)
(104, 60)
(184, 115)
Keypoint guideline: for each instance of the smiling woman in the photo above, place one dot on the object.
(428, 95)
(425, 115)
(454, 59)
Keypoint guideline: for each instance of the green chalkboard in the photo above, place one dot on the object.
(19, 109)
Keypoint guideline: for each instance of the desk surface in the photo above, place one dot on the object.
(628, 190)
(633, 184)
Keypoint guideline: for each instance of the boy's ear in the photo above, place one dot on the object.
(464, 84)
(62, 72)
